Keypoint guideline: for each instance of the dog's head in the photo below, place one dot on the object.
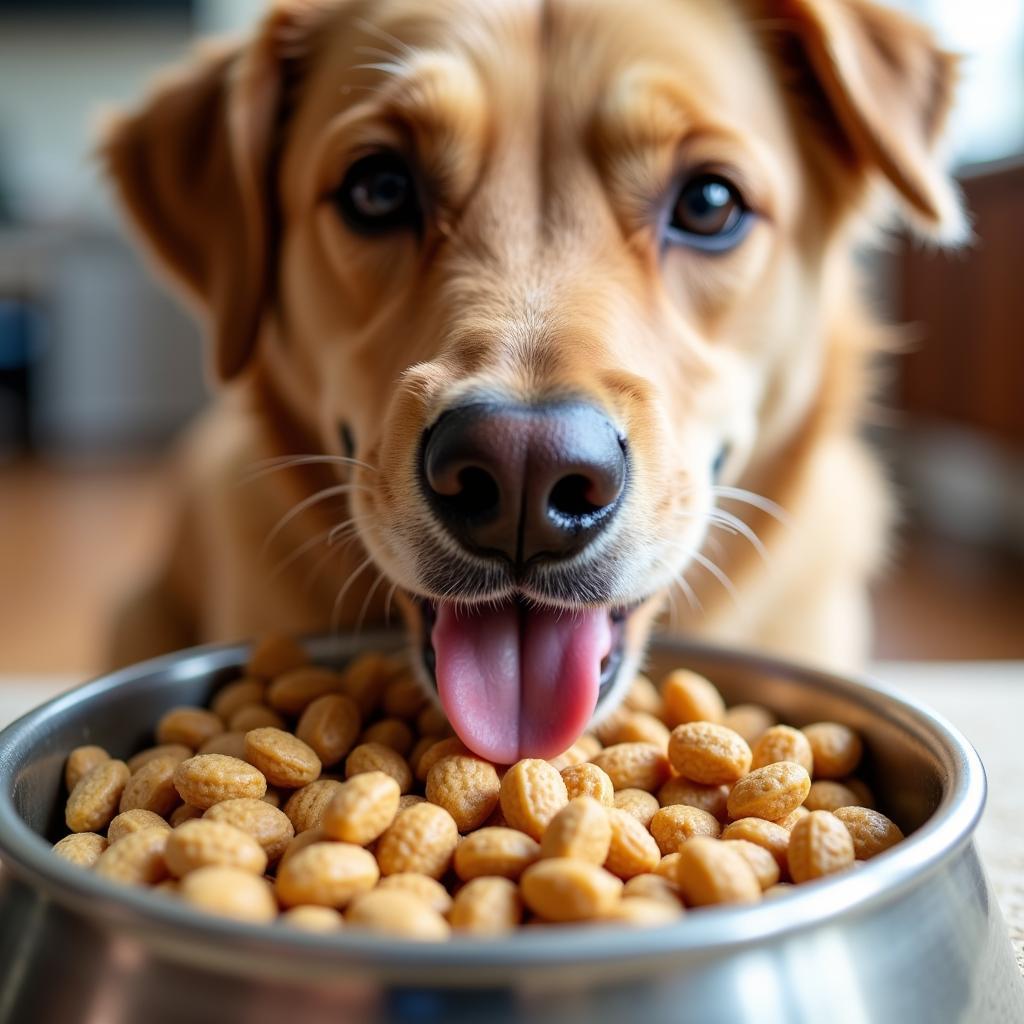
(550, 271)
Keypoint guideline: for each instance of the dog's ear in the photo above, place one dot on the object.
(192, 169)
(889, 88)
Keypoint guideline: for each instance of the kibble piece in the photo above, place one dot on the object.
(81, 848)
(828, 795)
(230, 743)
(572, 756)
(668, 868)
(751, 721)
(689, 697)
(282, 758)
(363, 681)
(204, 842)
(505, 852)
(634, 765)
(466, 787)
(564, 889)
(362, 808)
(865, 798)
(292, 692)
(778, 889)
(94, 800)
(189, 726)
(762, 863)
(80, 762)
(767, 834)
(783, 743)
(307, 806)
(275, 655)
(640, 912)
(674, 825)
(793, 817)
(708, 753)
(628, 726)
(643, 695)
(269, 826)
(487, 906)
(771, 792)
(432, 721)
(710, 872)
(390, 732)
(138, 859)
(532, 793)
(580, 829)
(134, 820)
(836, 748)
(178, 750)
(712, 799)
(871, 832)
(152, 787)
(183, 813)
(399, 914)
(422, 887)
(255, 716)
(301, 841)
(588, 780)
(326, 874)
(321, 920)
(407, 799)
(651, 886)
(642, 805)
(590, 745)
(207, 779)
(632, 850)
(422, 839)
(375, 757)
(820, 845)
(229, 892)
(434, 753)
(237, 694)
(330, 725)
(403, 698)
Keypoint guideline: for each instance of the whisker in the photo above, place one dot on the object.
(385, 37)
(773, 509)
(297, 554)
(739, 526)
(387, 603)
(300, 507)
(339, 600)
(718, 574)
(366, 601)
(267, 466)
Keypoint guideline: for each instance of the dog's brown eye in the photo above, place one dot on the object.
(709, 213)
(378, 194)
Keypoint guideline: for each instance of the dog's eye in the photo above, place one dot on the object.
(378, 194)
(709, 213)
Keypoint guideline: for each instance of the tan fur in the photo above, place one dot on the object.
(548, 130)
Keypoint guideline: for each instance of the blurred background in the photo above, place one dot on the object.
(99, 369)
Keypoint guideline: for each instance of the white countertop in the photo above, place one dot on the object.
(985, 700)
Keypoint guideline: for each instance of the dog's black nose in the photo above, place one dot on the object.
(524, 481)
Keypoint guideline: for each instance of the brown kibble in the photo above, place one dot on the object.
(712, 799)
(783, 743)
(229, 892)
(767, 834)
(282, 758)
(178, 750)
(487, 906)
(301, 841)
(427, 890)
(362, 808)
(321, 920)
(292, 692)
(793, 817)
(634, 765)
(238, 694)
(708, 753)
(134, 820)
(836, 748)
(589, 780)
(668, 867)
(564, 889)
(632, 850)
(751, 721)
(269, 826)
(466, 787)
(532, 793)
(275, 655)
(255, 716)
(710, 872)
(375, 757)
(652, 886)
(81, 848)
(94, 800)
(421, 839)
(674, 825)
(689, 697)
(642, 805)
(204, 842)
(504, 852)
(404, 698)
(640, 912)
(230, 743)
(643, 695)
(80, 762)
(307, 806)
(872, 833)
(152, 787)
(819, 845)
(434, 753)
(432, 721)
(390, 732)
(761, 861)
(183, 813)
(580, 829)
(189, 726)
(330, 725)
(326, 875)
(398, 914)
(207, 779)
(137, 859)
(827, 795)
(771, 792)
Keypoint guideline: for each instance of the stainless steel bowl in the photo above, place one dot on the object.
(914, 935)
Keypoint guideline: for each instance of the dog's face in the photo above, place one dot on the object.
(551, 273)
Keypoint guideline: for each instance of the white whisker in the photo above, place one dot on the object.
(773, 509)
(366, 601)
(300, 507)
(718, 574)
(387, 603)
(339, 600)
(739, 526)
(297, 554)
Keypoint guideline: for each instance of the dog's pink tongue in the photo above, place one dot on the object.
(519, 682)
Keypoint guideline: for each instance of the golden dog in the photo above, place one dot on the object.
(537, 315)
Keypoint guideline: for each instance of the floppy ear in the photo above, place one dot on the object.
(889, 89)
(192, 169)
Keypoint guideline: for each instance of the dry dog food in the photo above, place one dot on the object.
(326, 800)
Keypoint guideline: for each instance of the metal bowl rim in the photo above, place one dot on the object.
(880, 880)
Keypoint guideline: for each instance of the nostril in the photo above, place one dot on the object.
(478, 493)
(570, 497)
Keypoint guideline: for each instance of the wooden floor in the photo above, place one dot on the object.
(73, 542)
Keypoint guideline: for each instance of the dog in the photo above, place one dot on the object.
(535, 320)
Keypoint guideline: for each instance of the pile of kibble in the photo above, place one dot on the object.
(330, 799)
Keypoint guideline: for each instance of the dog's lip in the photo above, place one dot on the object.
(618, 615)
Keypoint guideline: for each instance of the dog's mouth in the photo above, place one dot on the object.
(517, 679)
